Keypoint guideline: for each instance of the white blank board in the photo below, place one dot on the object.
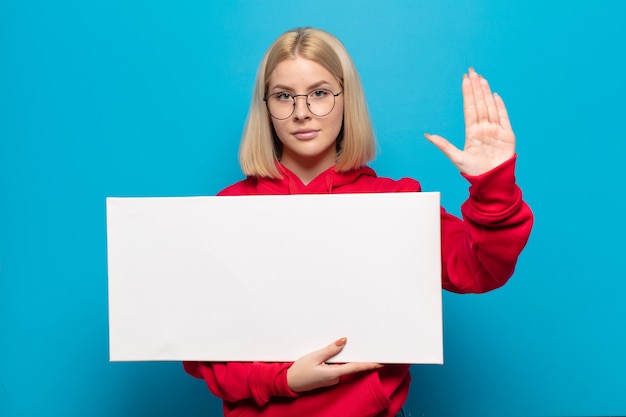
(271, 278)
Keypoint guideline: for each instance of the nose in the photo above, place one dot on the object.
(301, 110)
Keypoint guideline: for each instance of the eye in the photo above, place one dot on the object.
(282, 96)
(321, 93)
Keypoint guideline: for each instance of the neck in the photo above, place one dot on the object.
(307, 169)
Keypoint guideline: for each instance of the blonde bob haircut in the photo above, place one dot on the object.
(260, 148)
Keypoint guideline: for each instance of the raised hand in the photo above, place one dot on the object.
(311, 371)
(489, 138)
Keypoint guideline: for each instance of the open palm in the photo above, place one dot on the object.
(489, 138)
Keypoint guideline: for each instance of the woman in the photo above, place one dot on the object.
(308, 131)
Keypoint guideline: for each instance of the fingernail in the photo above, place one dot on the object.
(341, 341)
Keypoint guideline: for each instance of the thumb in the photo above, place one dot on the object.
(448, 149)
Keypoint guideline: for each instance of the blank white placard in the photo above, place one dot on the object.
(270, 278)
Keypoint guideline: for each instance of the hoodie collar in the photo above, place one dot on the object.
(324, 183)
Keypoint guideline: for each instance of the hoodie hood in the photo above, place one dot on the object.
(360, 180)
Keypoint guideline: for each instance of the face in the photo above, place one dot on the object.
(308, 140)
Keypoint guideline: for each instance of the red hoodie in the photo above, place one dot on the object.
(478, 255)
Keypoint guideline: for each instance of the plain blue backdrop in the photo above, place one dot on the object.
(148, 98)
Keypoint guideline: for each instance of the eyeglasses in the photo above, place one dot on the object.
(320, 103)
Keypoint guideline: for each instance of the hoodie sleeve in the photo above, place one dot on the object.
(237, 381)
(479, 254)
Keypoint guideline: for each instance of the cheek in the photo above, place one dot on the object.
(338, 122)
(275, 124)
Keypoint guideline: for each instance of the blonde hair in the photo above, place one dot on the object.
(356, 144)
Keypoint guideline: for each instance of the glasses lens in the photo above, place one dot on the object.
(280, 105)
(321, 102)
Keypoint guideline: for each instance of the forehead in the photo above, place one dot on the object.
(300, 73)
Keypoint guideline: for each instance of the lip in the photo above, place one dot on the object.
(305, 134)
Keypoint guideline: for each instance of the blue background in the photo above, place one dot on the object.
(148, 98)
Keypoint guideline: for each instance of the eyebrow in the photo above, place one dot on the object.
(283, 87)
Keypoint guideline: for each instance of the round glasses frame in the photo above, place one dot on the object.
(308, 104)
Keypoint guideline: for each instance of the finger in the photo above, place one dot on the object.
(492, 110)
(469, 107)
(330, 350)
(477, 94)
(448, 149)
(504, 120)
